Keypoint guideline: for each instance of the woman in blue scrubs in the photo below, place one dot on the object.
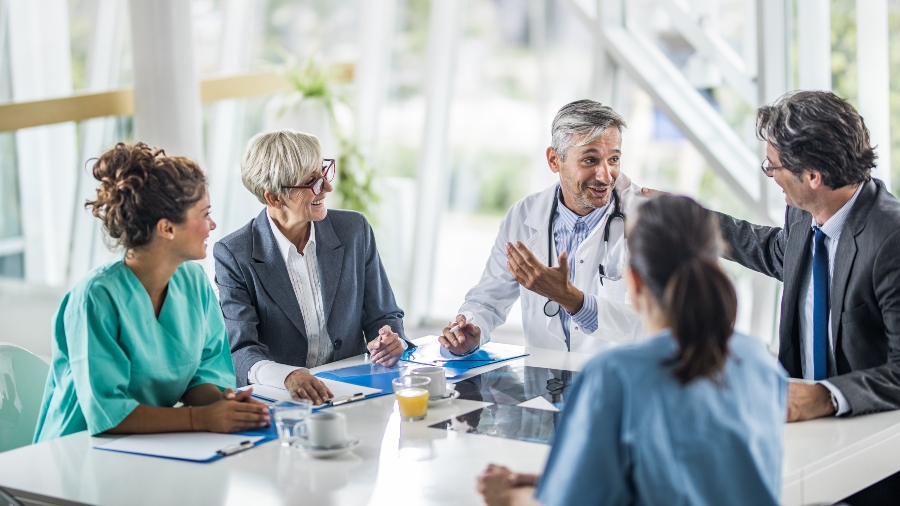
(693, 415)
(140, 334)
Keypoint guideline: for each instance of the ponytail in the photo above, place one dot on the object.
(700, 305)
(674, 245)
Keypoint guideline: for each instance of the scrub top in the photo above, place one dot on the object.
(111, 353)
(632, 434)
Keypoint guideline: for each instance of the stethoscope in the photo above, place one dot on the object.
(551, 308)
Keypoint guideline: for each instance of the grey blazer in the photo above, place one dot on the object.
(865, 292)
(262, 315)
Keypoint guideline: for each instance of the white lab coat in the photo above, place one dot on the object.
(487, 303)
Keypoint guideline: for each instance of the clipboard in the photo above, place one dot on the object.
(199, 447)
(344, 391)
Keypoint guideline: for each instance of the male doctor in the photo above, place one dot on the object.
(562, 250)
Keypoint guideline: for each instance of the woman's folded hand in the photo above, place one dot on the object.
(229, 415)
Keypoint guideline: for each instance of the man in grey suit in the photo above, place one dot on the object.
(838, 255)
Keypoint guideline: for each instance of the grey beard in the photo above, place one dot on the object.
(583, 200)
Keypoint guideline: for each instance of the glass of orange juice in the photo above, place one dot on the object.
(412, 395)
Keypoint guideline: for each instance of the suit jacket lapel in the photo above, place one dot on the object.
(845, 256)
(330, 253)
(272, 271)
(843, 263)
(795, 262)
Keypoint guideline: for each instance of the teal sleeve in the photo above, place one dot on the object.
(101, 369)
(216, 366)
(590, 462)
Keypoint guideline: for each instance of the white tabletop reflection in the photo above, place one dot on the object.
(402, 462)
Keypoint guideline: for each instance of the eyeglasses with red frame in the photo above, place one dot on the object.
(316, 186)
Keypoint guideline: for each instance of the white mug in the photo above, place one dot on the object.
(326, 429)
(438, 386)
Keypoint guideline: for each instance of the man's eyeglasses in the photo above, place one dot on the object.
(316, 186)
(768, 168)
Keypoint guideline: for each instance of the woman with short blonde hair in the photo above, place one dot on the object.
(301, 286)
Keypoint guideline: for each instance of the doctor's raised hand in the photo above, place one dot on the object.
(460, 336)
(551, 282)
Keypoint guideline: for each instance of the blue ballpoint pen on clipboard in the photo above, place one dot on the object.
(464, 360)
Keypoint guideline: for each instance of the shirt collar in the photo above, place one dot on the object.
(568, 218)
(285, 246)
(832, 228)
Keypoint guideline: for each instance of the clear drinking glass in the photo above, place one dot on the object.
(412, 395)
(290, 418)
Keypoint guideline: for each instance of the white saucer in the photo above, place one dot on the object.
(322, 452)
(449, 395)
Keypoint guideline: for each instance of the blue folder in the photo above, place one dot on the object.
(367, 375)
(490, 353)
(269, 433)
(380, 377)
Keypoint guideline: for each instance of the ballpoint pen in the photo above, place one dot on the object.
(337, 401)
(463, 360)
(230, 450)
(456, 327)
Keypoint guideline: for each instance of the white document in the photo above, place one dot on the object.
(338, 388)
(538, 403)
(197, 446)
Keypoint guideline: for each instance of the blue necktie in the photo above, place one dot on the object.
(820, 305)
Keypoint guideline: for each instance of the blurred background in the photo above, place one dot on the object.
(438, 112)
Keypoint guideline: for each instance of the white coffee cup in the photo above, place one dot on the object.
(326, 429)
(438, 386)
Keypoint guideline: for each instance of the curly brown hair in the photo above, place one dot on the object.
(140, 186)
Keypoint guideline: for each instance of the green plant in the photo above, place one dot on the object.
(354, 184)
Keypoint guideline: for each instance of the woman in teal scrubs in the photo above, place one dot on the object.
(138, 335)
(693, 415)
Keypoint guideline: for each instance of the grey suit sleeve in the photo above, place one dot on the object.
(754, 246)
(878, 388)
(379, 306)
(241, 318)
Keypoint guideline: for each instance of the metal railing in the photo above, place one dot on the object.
(120, 102)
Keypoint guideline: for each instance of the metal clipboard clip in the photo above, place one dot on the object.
(344, 399)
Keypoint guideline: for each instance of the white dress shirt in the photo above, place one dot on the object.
(569, 231)
(832, 230)
(303, 271)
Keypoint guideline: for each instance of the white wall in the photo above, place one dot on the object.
(26, 315)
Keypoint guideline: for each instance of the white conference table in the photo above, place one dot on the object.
(402, 462)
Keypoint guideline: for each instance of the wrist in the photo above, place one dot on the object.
(573, 300)
(293, 377)
(198, 418)
(827, 404)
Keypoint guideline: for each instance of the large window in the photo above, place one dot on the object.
(513, 63)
